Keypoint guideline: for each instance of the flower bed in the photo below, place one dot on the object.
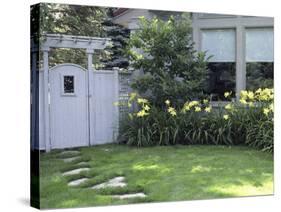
(249, 121)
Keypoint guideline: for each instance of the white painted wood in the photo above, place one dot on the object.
(102, 107)
(116, 107)
(130, 19)
(70, 41)
(46, 102)
(69, 119)
(240, 61)
(90, 53)
(42, 145)
(68, 113)
(33, 102)
(208, 23)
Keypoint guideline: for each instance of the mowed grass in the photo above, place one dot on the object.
(163, 173)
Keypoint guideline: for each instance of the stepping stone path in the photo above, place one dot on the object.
(73, 155)
(129, 196)
(77, 182)
(83, 163)
(114, 182)
(68, 160)
(75, 171)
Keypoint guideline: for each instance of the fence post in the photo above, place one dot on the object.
(116, 106)
(46, 98)
(34, 96)
(90, 53)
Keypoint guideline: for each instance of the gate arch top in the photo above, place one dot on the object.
(70, 41)
(68, 64)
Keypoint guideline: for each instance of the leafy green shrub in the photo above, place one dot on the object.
(164, 52)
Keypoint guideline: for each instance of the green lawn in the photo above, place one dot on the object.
(163, 173)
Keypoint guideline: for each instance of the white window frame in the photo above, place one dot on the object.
(240, 24)
(62, 85)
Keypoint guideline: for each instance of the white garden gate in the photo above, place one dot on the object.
(76, 105)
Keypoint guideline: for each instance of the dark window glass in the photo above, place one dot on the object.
(259, 75)
(68, 84)
(221, 80)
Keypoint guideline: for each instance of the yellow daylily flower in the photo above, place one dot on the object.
(142, 100)
(251, 95)
(266, 111)
(167, 102)
(197, 109)
(229, 107)
(208, 109)
(146, 108)
(172, 111)
(193, 103)
(142, 113)
(243, 101)
(185, 107)
(226, 117)
(258, 91)
(243, 94)
(227, 94)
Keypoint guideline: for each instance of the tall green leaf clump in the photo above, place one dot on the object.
(163, 51)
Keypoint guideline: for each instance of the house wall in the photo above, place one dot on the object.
(129, 18)
(204, 21)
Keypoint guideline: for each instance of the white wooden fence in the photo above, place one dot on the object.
(81, 107)
(72, 106)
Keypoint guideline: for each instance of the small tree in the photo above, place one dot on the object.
(119, 36)
(164, 52)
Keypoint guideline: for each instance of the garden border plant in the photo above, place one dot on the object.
(171, 107)
(247, 122)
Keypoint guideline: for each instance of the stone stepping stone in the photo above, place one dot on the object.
(112, 183)
(75, 171)
(77, 182)
(129, 196)
(71, 152)
(82, 163)
(68, 160)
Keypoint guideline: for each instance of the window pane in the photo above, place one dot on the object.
(68, 84)
(220, 44)
(259, 75)
(259, 45)
(221, 79)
